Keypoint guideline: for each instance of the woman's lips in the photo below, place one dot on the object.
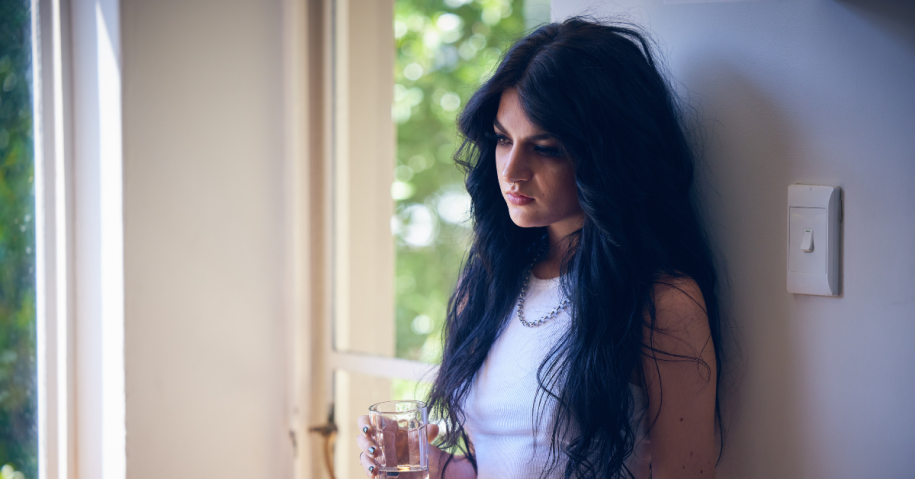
(518, 199)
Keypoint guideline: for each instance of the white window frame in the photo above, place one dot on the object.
(348, 155)
(318, 145)
(79, 239)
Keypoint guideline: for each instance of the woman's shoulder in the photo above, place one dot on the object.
(677, 290)
(679, 307)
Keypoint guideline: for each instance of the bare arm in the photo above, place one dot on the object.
(460, 467)
(680, 375)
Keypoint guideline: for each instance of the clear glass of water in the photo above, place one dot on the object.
(400, 433)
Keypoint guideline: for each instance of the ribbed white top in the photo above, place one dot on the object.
(500, 412)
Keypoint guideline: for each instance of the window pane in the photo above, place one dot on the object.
(18, 428)
(443, 51)
(404, 389)
(400, 220)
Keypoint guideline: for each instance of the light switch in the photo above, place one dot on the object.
(801, 220)
(807, 241)
(813, 239)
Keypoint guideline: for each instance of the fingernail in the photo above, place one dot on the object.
(372, 451)
(365, 430)
(371, 468)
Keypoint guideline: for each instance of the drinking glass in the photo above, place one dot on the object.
(400, 433)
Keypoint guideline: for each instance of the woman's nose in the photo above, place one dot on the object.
(516, 167)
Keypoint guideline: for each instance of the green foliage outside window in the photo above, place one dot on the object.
(18, 428)
(7, 472)
(444, 50)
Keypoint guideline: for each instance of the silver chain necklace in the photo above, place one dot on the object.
(552, 314)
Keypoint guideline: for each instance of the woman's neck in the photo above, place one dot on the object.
(559, 246)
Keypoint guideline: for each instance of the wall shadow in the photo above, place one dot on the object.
(746, 144)
(895, 17)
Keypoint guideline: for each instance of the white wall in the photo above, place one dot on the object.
(822, 92)
(203, 201)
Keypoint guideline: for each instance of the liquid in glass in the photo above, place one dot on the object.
(400, 433)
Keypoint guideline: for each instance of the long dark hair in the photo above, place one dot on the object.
(597, 89)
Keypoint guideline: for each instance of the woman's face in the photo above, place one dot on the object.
(536, 178)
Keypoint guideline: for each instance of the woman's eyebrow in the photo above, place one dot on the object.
(539, 136)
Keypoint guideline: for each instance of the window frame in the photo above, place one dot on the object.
(354, 360)
(53, 235)
(314, 139)
(76, 86)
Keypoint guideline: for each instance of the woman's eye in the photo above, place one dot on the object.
(548, 151)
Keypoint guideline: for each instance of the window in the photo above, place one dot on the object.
(71, 286)
(18, 373)
(442, 51)
(401, 72)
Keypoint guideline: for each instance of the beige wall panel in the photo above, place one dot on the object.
(204, 240)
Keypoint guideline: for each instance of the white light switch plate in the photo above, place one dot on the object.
(814, 214)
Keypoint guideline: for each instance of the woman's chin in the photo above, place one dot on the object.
(526, 221)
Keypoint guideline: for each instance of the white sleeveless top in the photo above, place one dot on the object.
(500, 405)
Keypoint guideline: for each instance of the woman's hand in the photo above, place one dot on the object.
(370, 450)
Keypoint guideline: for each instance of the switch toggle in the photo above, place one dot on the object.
(813, 263)
(807, 241)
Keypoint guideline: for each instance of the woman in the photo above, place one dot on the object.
(583, 337)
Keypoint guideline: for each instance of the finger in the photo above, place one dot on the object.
(368, 465)
(367, 444)
(431, 432)
(365, 426)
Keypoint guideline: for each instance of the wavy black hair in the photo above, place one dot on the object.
(597, 88)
